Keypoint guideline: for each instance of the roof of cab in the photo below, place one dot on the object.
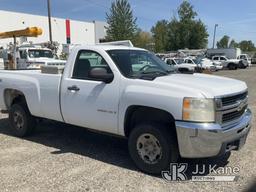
(109, 47)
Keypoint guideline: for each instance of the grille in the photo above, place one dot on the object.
(233, 115)
(233, 99)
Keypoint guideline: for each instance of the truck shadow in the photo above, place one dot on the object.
(112, 150)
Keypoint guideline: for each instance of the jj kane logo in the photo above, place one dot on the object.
(201, 172)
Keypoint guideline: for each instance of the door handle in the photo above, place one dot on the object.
(73, 88)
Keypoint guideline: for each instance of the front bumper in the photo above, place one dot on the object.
(198, 140)
(219, 67)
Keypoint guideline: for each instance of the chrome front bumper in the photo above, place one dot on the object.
(197, 140)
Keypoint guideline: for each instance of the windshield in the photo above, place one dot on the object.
(197, 60)
(36, 53)
(139, 64)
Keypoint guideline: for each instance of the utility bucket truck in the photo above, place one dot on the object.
(28, 56)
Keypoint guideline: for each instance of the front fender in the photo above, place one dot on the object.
(148, 97)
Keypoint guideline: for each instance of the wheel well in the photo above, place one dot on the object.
(138, 114)
(12, 96)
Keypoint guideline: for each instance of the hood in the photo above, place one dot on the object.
(187, 65)
(208, 85)
(206, 62)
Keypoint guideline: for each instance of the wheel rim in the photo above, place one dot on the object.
(18, 120)
(149, 148)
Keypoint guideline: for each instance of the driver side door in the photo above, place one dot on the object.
(88, 102)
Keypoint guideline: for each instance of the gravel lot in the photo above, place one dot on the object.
(65, 158)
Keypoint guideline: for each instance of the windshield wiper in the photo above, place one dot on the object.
(155, 72)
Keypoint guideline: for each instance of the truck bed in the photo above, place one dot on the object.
(41, 91)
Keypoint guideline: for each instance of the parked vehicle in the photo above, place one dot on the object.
(203, 63)
(179, 65)
(130, 92)
(35, 57)
(208, 64)
(231, 64)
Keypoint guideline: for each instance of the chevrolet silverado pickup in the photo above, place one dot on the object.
(129, 92)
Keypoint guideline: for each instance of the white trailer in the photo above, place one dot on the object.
(231, 53)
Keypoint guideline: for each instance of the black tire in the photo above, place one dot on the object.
(168, 144)
(21, 121)
(232, 66)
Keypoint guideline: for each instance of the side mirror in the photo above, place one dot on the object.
(101, 74)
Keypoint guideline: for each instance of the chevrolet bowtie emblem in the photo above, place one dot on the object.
(241, 106)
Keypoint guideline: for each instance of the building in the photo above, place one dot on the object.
(63, 30)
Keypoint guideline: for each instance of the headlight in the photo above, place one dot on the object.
(199, 110)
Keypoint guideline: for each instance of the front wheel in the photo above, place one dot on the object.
(152, 147)
(21, 121)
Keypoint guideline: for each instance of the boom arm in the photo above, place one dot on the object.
(28, 32)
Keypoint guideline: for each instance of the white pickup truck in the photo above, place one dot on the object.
(231, 64)
(130, 92)
(179, 65)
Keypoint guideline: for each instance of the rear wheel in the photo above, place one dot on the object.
(21, 121)
(152, 147)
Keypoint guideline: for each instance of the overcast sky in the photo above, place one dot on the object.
(236, 18)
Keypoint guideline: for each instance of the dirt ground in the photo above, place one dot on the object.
(64, 158)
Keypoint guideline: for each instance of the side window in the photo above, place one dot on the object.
(169, 62)
(23, 54)
(222, 58)
(215, 58)
(87, 60)
(188, 61)
(173, 62)
(243, 57)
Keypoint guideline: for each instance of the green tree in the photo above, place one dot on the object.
(247, 46)
(223, 42)
(121, 23)
(186, 12)
(143, 39)
(186, 31)
(233, 44)
(160, 35)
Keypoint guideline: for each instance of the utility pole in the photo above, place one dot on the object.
(49, 20)
(213, 44)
